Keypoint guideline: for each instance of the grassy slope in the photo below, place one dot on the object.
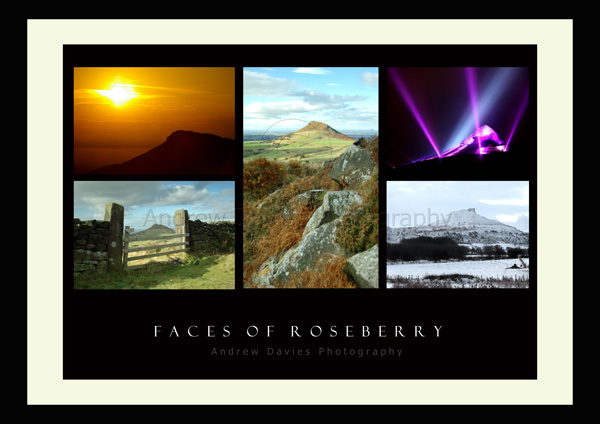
(208, 272)
(307, 146)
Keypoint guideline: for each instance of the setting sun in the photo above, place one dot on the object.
(119, 94)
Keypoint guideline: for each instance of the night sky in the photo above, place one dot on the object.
(442, 97)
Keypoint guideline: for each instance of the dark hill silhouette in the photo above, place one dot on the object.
(184, 152)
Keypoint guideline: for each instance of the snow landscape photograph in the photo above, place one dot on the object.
(457, 234)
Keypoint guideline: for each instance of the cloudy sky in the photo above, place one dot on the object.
(154, 202)
(343, 98)
(415, 201)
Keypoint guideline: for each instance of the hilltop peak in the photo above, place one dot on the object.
(464, 226)
(323, 130)
(315, 126)
(155, 229)
(465, 217)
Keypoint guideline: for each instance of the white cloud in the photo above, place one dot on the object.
(507, 218)
(521, 200)
(261, 84)
(313, 71)
(407, 187)
(327, 101)
(181, 195)
(523, 222)
(276, 109)
(370, 78)
(518, 220)
(91, 197)
(310, 101)
(507, 202)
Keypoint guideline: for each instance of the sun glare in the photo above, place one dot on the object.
(119, 94)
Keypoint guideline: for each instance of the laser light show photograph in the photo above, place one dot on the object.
(471, 121)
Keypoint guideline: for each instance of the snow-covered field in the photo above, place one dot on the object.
(482, 270)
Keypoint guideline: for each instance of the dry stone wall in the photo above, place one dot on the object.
(97, 244)
(211, 238)
(90, 246)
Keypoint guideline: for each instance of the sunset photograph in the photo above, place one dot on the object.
(145, 120)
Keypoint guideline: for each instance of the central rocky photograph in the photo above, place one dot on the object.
(311, 178)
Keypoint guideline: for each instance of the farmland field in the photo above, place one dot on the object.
(314, 150)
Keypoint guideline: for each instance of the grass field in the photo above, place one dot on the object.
(196, 273)
(299, 148)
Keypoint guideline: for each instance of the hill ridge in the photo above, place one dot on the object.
(183, 152)
(155, 228)
(464, 226)
(323, 129)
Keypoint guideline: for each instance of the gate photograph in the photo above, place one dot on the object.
(153, 237)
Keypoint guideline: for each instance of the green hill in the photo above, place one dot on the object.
(315, 142)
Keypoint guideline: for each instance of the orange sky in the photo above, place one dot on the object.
(155, 103)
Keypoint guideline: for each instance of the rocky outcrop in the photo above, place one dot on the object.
(364, 268)
(318, 244)
(353, 167)
(335, 205)
(306, 199)
(318, 241)
(279, 269)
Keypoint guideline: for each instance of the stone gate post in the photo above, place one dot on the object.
(182, 223)
(114, 213)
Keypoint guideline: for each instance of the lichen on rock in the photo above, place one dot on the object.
(353, 167)
(364, 268)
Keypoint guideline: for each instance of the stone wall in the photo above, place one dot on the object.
(90, 246)
(97, 244)
(211, 238)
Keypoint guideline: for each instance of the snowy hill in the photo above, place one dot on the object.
(465, 227)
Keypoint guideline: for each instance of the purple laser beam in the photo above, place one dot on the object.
(520, 112)
(471, 82)
(413, 108)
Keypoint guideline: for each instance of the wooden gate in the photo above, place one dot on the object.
(128, 238)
